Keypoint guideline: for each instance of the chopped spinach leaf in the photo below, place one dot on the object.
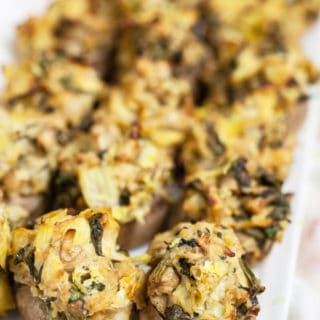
(75, 294)
(279, 213)
(124, 198)
(20, 255)
(271, 232)
(242, 310)
(268, 179)
(191, 243)
(63, 181)
(241, 174)
(247, 271)
(254, 287)
(214, 142)
(98, 286)
(269, 192)
(30, 260)
(85, 277)
(185, 266)
(61, 316)
(281, 200)
(96, 232)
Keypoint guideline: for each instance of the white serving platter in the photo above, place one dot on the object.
(277, 271)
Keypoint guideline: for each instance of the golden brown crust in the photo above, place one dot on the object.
(30, 307)
(134, 234)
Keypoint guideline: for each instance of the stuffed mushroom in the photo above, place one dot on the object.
(164, 31)
(69, 267)
(132, 175)
(40, 114)
(251, 203)
(197, 272)
(83, 31)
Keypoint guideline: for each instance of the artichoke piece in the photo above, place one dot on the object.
(134, 175)
(98, 186)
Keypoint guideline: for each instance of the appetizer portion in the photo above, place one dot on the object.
(267, 24)
(126, 156)
(198, 273)
(224, 49)
(69, 267)
(245, 34)
(53, 85)
(83, 31)
(148, 107)
(133, 178)
(251, 203)
(249, 74)
(255, 130)
(251, 113)
(127, 172)
(6, 299)
(29, 143)
(165, 31)
(45, 103)
(150, 97)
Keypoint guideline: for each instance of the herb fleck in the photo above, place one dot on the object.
(191, 243)
(185, 266)
(241, 174)
(30, 259)
(242, 310)
(214, 142)
(75, 294)
(271, 232)
(20, 255)
(63, 181)
(96, 232)
(124, 198)
(98, 286)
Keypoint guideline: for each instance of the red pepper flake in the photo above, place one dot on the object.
(211, 201)
(228, 252)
